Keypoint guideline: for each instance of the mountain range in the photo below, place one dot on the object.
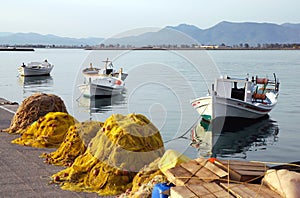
(227, 33)
(7, 38)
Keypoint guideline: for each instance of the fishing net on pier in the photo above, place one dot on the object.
(145, 179)
(74, 144)
(154, 173)
(120, 149)
(47, 131)
(34, 107)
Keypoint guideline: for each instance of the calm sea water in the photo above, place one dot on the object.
(161, 84)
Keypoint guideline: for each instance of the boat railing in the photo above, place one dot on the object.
(267, 82)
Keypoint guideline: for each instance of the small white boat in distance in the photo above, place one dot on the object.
(107, 70)
(242, 98)
(36, 69)
(101, 87)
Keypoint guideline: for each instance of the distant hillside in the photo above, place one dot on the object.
(38, 39)
(251, 33)
(223, 33)
(165, 36)
(227, 33)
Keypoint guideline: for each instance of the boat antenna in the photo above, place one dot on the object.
(106, 62)
(276, 82)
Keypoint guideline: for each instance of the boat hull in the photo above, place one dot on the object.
(102, 87)
(26, 71)
(94, 75)
(228, 107)
(99, 90)
(215, 107)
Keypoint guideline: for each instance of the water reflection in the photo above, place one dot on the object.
(234, 137)
(100, 104)
(32, 84)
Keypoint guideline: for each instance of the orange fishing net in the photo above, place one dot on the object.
(34, 107)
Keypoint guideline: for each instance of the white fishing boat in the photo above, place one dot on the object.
(107, 70)
(101, 82)
(104, 86)
(36, 69)
(242, 98)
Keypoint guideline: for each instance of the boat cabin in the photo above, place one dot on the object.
(241, 89)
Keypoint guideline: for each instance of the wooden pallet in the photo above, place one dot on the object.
(242, 171)
(202, 178)
(246, 190)
(199, 171)
(195, 179)
(209, 190)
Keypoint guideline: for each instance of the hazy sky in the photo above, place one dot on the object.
(106, 18)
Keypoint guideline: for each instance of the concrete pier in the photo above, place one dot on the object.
(22, 172)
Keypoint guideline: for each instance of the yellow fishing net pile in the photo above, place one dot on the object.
(47, 131)
(154, 173)
(34, 107)
(120, 149)
(145, 179)
(74, 144)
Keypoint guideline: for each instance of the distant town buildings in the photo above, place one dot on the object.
(223, 46)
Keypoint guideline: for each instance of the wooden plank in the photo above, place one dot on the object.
(201, 161)
(217, 190)
(181, 192)
(250, 190)
(245, 163)
(178, 175)
(216, 170)
(233, 175)
(236, 190)
(252, 168)
(206, 175)
(194, 181)
(192, 166)
(263, 191)
(200, 190)
(246, 190)
(210, 166)
(198, 170)
(242, 171)
(250, 173)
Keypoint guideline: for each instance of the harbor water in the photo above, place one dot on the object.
(161, 84)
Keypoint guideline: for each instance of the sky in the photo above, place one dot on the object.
(109, 18)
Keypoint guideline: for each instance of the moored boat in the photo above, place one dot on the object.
(104, 86)
(102, 82)
(242, 98)
(36, 69)
(107, 70)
